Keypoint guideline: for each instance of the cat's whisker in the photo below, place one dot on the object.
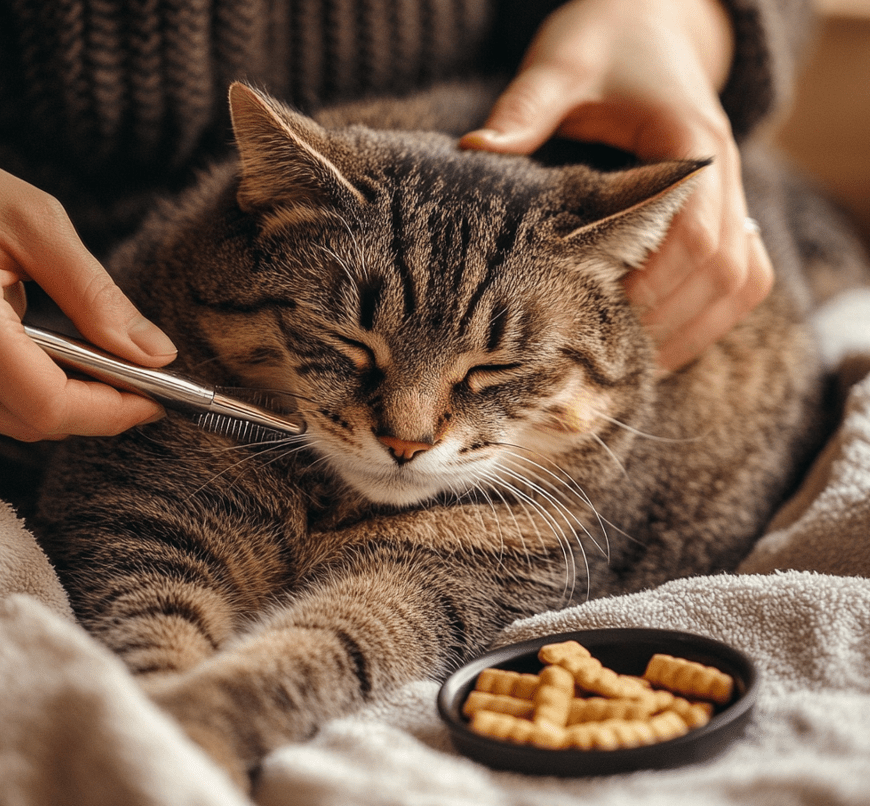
(267, 447)
(258, 455)
(212, 360)
(344, 267)
(495, 317)
(248, 447)
(569, 517)
(489, 501)
(360, 254)
(561, 539)
(558, 532)
(605, 551)
(563, 478)
(268, 390)
(507, 506)
(612, 455)
(569, 481)
(564, 543)
(639, 433)
(577, 493)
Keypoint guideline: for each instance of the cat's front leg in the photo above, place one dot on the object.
(388, 613)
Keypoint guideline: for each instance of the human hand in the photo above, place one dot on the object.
(37, 400)
(644, 76)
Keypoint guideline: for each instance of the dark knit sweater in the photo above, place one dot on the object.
(102, 102)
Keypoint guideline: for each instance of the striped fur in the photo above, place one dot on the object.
(488, 435)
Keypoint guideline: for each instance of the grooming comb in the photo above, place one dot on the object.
(216, 409)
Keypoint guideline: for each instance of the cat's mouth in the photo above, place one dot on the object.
(409, 483)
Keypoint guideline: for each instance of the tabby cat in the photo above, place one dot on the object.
(488, 435)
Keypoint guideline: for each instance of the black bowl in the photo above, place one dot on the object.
(626, 651)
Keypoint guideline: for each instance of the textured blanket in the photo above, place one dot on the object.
(75, 729)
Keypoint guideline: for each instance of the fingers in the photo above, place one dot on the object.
(712, 270)
(38, 401)
(38, 242)
(644, 77)
(559, 75)
(14, 294)
(682, 338)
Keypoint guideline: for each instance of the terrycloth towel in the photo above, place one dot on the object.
(24, 568)
(826, 526)
(76, 730)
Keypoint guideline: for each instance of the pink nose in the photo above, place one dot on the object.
(402, 449)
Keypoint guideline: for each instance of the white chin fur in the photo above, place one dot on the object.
(401, 486)
(392, 491)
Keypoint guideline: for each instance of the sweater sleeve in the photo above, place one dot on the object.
(770, 38)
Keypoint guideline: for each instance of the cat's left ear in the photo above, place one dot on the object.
(638, 206)
(288, 160)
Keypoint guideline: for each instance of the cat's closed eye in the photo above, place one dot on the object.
(481, 376)
(362, 356)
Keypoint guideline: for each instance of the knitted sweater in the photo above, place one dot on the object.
(103, 102)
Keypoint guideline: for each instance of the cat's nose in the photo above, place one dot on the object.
(404, 450)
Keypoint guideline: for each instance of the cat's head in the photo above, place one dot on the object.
(443, 316)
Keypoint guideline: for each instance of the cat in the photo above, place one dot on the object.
(488, 436)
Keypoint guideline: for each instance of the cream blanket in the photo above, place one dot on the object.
(75, 729)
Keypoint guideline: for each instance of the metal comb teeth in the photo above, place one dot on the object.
(239, 430)
(252, 415)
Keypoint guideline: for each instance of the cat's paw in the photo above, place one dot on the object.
(169, 694)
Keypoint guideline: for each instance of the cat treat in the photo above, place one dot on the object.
(565, 654)
(595, 709)
(506, 727)
(588, 672)
(687, 677)
(556, 711)
(499, 704)
(591, 676)
(616, 734)
(518, 731)
(500, 681)
(694, 714)
(552, 699)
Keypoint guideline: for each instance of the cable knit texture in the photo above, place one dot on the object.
(102, 96)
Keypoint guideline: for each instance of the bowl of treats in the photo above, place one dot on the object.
(599, 702)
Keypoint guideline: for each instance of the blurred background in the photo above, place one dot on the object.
(828, 129)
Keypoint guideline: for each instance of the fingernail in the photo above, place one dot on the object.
(155, 418)
(485, 138)
(150, 338)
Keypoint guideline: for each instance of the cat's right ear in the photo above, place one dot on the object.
(635, 209)
(287, 159)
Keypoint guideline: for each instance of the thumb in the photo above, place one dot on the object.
(526, 114)
(38, 241)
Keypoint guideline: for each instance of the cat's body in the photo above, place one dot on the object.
(481, 402)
